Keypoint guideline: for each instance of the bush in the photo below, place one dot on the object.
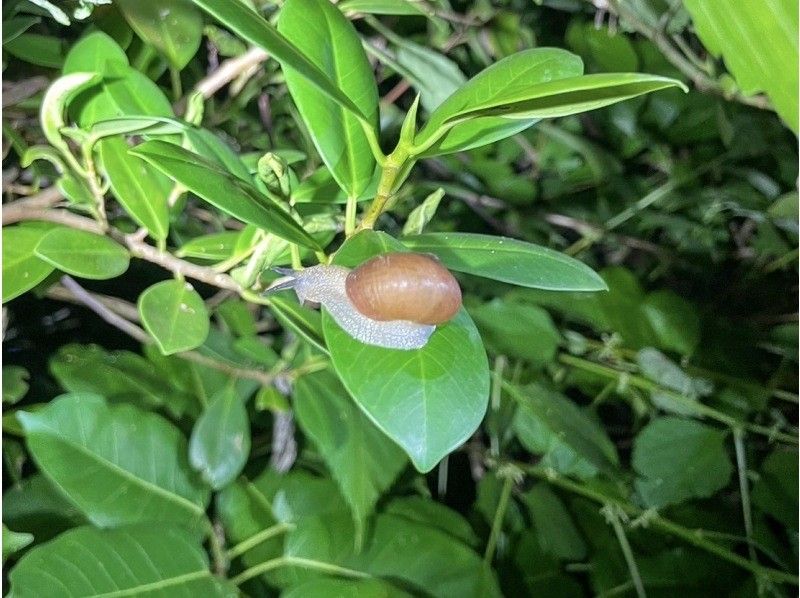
(209, 392)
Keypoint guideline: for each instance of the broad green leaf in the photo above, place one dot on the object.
(142, 190)
(362, 460)
(175, 315)
(208, 145)
(674, 320)
(679, 459)
(215, 246)
(539, 406)
(223, 190)
(428, 400)
(36, 506)
(122, 91)
(776, 492)
(42, 50)
(657, 367)
(13, 542)
(173, 27)
(22, 268)
(83, 254)
(553, 525)
(516, 330)
(331, 43)
(433, 514)
(507, 260)
(15, 383)
(131, 561)
(117, 376)
(609, 50)
(249, 25)
(220, 442)
(383, 7)
(14, 27)
(118, 464)
(756, 41)
(523, 70)
(344, 588)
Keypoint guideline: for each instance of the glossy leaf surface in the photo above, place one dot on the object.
(223, 190)
(83, 254)
(77, 442)
(508, 260)
(175, 315)
(22, 268)
(429, 400)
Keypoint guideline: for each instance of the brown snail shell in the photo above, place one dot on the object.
(404, 286)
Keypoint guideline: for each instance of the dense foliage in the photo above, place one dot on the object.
(612, 412)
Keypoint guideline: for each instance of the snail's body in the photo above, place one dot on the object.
(393, 301)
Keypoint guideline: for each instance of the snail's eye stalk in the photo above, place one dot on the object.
(288, 281)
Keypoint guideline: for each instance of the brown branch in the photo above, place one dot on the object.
(46, 198)
(111, 310)
(229, 70)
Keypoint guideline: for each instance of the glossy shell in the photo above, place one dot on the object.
(404, 286)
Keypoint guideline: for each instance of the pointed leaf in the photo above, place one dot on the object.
(83, 254)
(508, 260)
(22, 268)
(175, 315)
(331, 43)
(131, 561)
(117, 464)
(428, 400)
(363, 461)
(220, 442)
(223, 190)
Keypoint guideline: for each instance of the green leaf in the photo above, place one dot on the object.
(83, 254)
(382, 7)
(220, 442)
(429, 400)
(305, 322)
(223, 190)
(216, 246)
(13, 542)
(523, 70)
(678, 459)
(508, 260)
(115, 375)
(776, 492)
(15, 383)
(656, 366)
(142, 190)
(362, 460)
(117, 464)
(22, 269)
(13, 28)
(540, 407)
(173, 27)
(252, 27)
(756, 41)
(54, 105)
(131, 561)
(122, 91)
(332, 44)
(517, 330)
(175, 315)
(435, 515)
(344, 588)
(41, 50)
(208, 145)
(553, 525)
(423, 213)
(674, 320)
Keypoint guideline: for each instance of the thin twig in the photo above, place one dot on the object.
(229, 70)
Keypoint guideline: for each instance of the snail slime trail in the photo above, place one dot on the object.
(394, 300)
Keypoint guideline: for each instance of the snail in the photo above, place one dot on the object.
(394, 300)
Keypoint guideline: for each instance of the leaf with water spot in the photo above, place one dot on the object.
(175, 315)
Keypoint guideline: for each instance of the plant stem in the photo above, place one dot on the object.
(499, 515)
(744, 490)
(350, 216)
(287, 561)
(694, 537)
(175, 81)
(696, 406)
(613, 518)
(385, 188)
(257, 539)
